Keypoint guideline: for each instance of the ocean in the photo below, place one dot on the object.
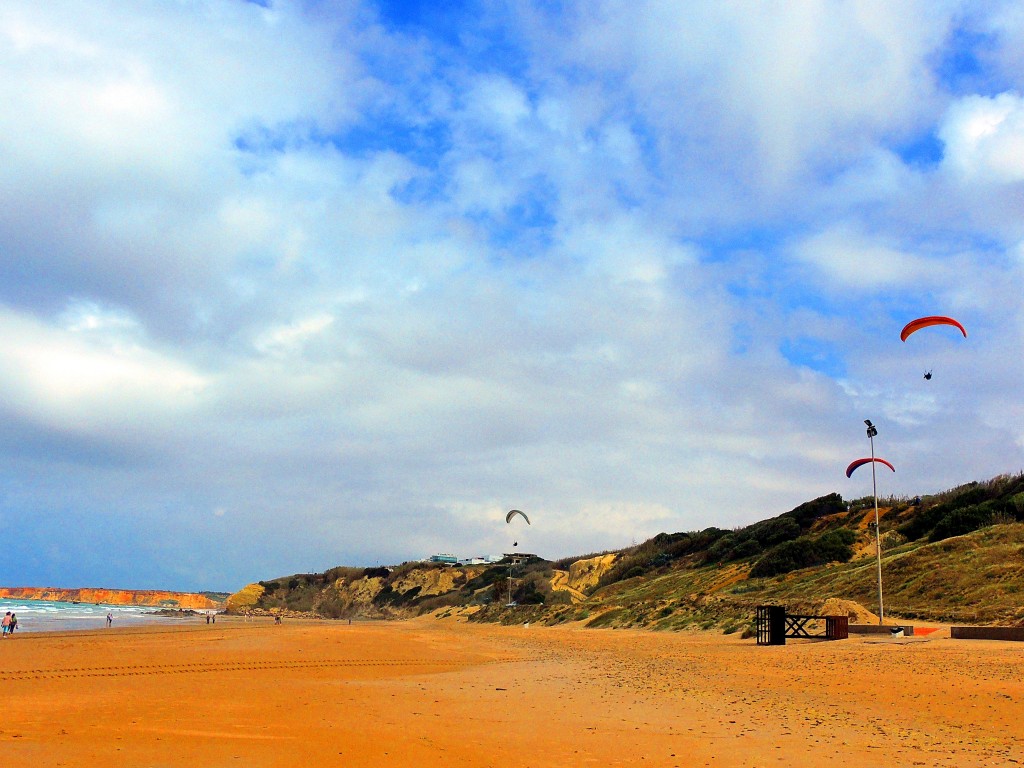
(45, 616)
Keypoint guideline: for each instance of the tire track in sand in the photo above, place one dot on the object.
(246, 666)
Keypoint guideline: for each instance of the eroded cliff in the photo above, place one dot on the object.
(140, 597)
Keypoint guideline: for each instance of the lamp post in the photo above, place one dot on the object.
(872, 431)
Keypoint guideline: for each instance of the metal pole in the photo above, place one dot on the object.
(878, 538)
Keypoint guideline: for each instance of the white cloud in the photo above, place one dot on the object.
(984, 139)
(846, 257)
(287, 338)
(63, 380)
(626, 250)
(496, 102)
(89, 317)
(770, 92)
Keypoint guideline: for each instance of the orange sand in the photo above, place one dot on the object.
(432, 692)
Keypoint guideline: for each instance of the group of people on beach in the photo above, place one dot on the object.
(10, 623)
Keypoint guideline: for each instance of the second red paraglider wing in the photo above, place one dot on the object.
(861, 462)
(924, 322)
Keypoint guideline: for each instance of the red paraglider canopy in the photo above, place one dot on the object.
(924, 322)
(860, 462)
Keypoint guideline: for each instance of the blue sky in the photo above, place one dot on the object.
(288, 285)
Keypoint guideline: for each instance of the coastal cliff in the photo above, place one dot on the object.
(346, 592)
(414, 587)
(140, 597)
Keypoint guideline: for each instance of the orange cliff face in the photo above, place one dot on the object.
(141, 597)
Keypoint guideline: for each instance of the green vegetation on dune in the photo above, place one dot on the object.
(806, 551)
(779, 543)
(968, 508)
(974, 578)
(953, 556)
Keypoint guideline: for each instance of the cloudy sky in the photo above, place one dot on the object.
(287, 285)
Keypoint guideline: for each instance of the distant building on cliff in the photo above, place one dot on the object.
(444, 558)
(482, 560)
(449, 559)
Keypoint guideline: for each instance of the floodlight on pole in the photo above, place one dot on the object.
(872, 432)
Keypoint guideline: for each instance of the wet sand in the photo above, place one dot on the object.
(431, 692)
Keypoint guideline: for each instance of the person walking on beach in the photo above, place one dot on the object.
(110, 619)
(13, 626)
(6, 624)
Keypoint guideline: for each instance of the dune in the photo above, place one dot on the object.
(435, 691)
(855, 612)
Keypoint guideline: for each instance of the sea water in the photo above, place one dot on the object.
(46, 616)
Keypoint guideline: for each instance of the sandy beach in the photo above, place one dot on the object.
(428, 692)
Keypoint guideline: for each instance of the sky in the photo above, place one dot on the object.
(286, 285)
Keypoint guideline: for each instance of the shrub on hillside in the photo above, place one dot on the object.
(485, 579)
(733, 546)
(961, 521)
(528, 593)
(301, 599)
(447, 600)
(722, 549)
(966, 508)
(745, 549)
(414, 565)
(331, 605)
(806, 551)
(349, 575)
(1016, 505)
(809, 511)
(775, 531)
(659, 552)
(962, 493)
(750, 541)
(389, 597)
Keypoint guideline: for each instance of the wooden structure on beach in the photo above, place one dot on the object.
(774, 625)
